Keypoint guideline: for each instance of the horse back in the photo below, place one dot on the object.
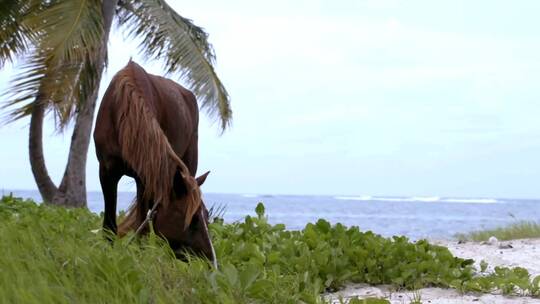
(176, 112)
(173, 107)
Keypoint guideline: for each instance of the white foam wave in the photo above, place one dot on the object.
(249, 195)
(471, 200)
(393, 199)
(424, 199)
(427, 199)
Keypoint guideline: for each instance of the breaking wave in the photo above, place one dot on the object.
(425, 199)
(471, 200)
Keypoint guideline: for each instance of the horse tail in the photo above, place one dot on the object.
(144, 146)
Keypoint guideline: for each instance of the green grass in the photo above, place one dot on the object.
(49, 255)
(518, 230)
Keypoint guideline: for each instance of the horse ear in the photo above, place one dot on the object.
(202, 178)
(179, 185)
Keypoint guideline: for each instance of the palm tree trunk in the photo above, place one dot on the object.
(72, 190)
(35, 147)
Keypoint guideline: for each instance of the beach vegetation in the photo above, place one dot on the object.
(517, 230)
(52, 254)
(416, 297)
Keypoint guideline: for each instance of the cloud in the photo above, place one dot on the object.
(381, 93)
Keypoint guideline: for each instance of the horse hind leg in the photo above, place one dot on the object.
(109, 183)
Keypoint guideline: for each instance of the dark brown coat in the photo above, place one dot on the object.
(147, 128)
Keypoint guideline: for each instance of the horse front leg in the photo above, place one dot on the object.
(109, 184)
(143, 205)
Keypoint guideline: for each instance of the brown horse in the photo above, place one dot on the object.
(147, 128)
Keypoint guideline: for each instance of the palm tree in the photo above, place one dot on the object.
(61, 49)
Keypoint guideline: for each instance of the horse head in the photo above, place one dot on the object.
(183, 222)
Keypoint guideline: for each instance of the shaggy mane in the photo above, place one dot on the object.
(147, 150)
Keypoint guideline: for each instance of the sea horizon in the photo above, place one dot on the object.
(355, 197)
(416, 217)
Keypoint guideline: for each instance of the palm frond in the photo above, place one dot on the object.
(15, 38)
(72, 28)
(182, 46)
(61, 66)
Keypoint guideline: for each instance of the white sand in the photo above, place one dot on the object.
(524, 253)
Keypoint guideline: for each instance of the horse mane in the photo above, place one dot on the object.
(146, 149)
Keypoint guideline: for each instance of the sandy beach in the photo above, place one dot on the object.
(523, 253)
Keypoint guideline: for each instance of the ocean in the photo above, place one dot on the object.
(414, 217)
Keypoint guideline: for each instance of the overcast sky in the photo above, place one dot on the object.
(382, 97)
